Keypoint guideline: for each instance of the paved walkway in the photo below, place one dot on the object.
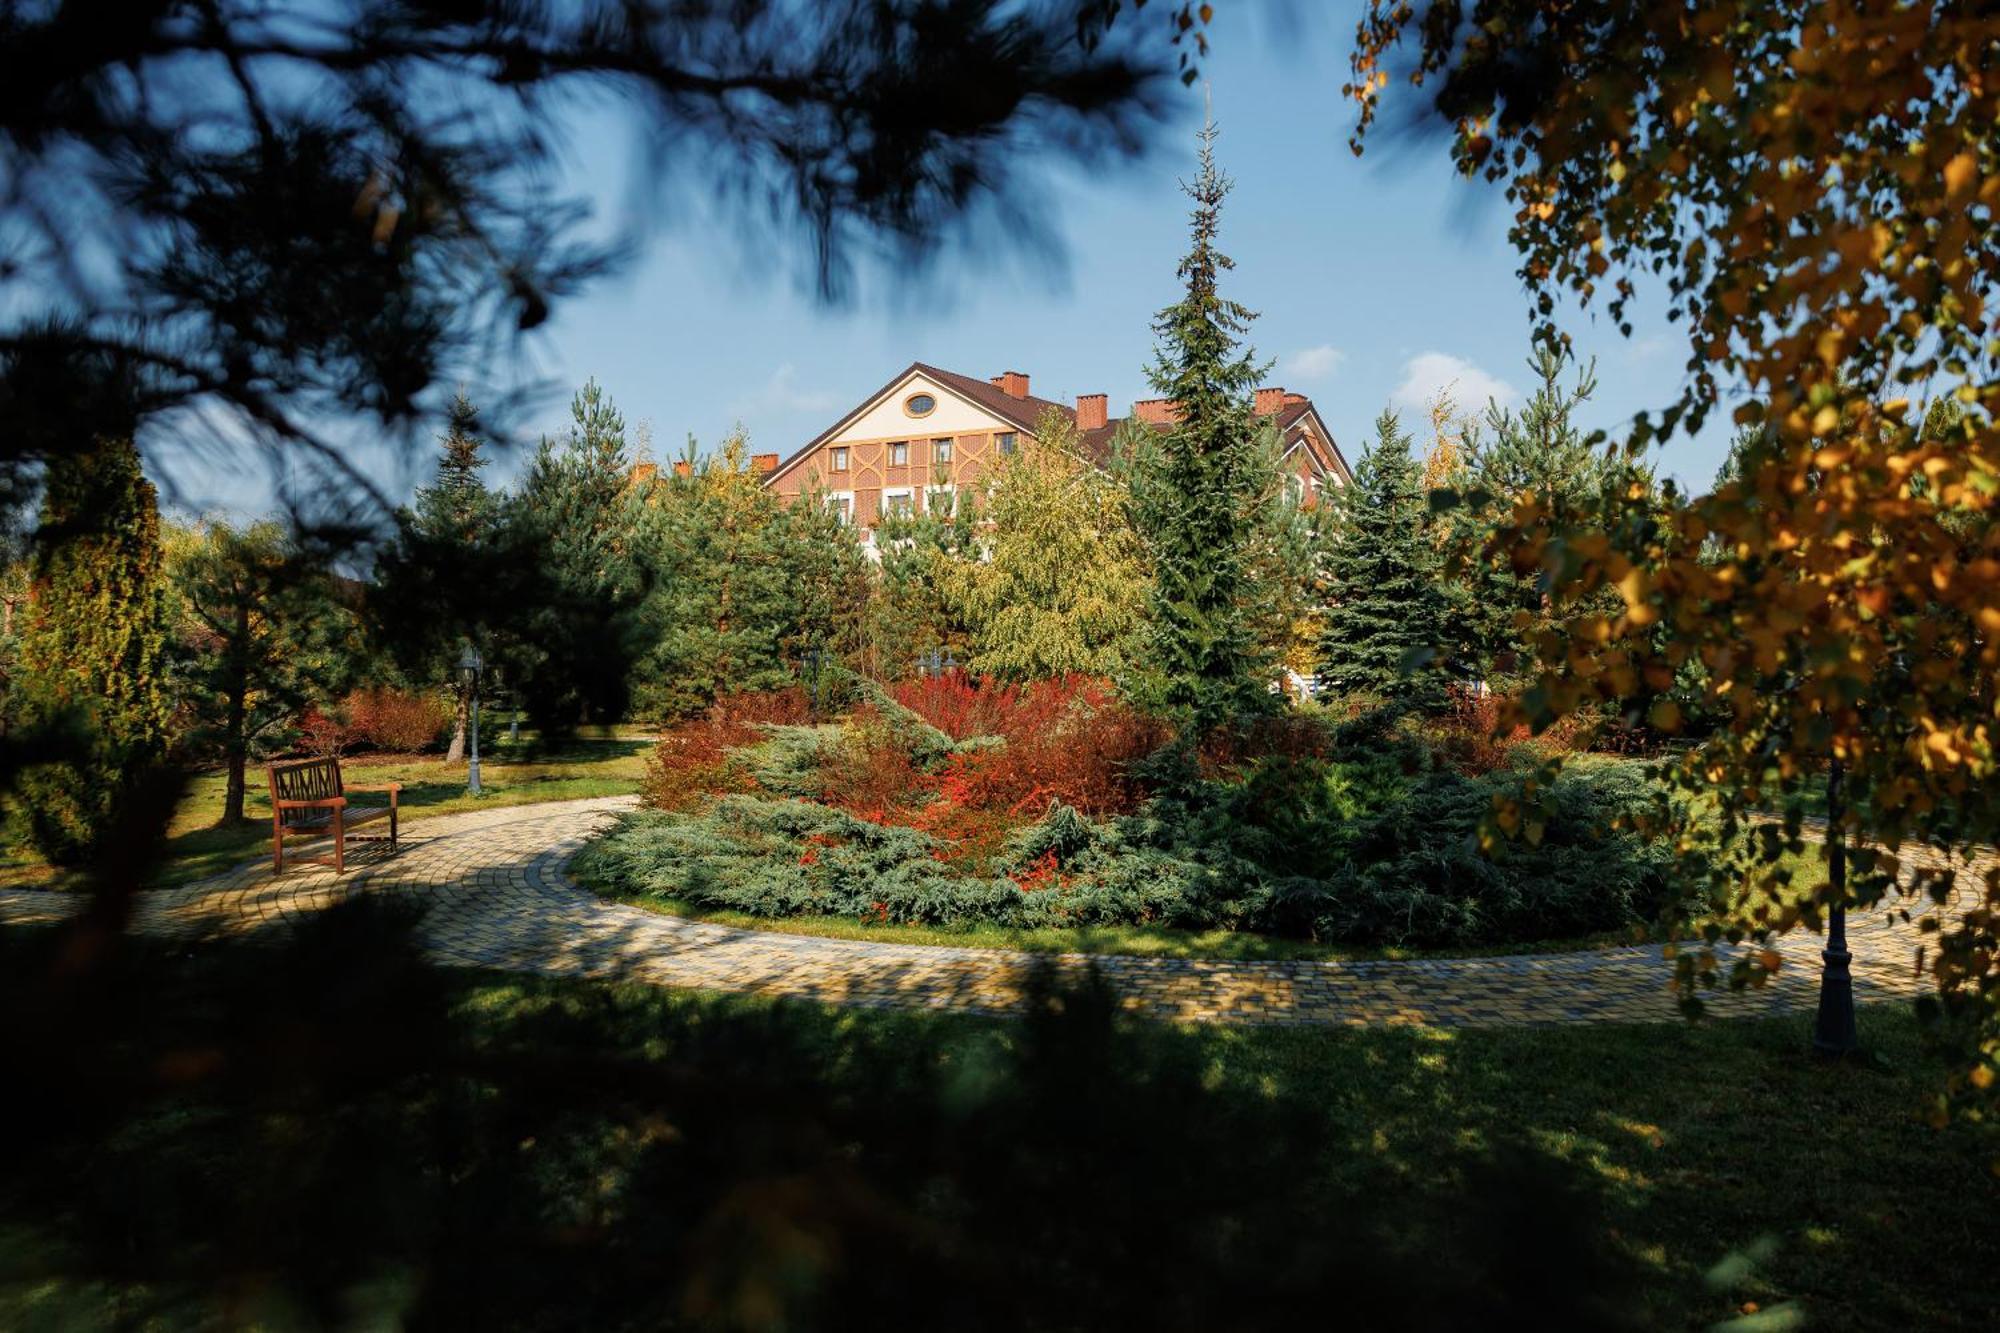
(498, 898)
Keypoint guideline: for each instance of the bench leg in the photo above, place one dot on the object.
(277, 844)
(339, 844)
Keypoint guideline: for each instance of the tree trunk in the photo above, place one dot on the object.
(456, 754)
(234, 729)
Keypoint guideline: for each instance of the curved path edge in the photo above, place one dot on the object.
(496, 895)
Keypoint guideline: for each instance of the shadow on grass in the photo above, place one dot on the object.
(325, 1130)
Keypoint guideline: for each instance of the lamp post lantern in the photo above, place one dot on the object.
(470, 666)
(1834, 1031)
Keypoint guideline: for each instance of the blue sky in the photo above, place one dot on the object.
(1374, 280)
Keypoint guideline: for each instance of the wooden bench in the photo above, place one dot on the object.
(308, 799)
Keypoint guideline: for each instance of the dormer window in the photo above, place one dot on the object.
(839, 457)
(920, 405)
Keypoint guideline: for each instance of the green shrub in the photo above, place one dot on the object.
(1364, 852)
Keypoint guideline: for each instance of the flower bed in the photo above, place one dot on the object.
(956, 803)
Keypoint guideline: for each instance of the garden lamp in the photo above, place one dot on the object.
(469, 666)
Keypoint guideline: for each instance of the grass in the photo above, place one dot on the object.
(598, 762)
(617, 1151)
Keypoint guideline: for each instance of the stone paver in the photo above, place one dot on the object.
(496, 895)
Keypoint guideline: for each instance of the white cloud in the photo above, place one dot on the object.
(1470, 387)
(780, 394)
(1311, 363)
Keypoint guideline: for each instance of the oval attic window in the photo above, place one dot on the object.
(920, 404)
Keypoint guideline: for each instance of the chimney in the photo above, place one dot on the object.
(1293, 399)
(642, 473)
(1270, 402)
(1092, 410)
(1155, 411)
(763, 464)
(1012, 383)
(683, 468)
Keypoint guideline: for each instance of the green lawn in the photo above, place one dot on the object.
(553, 1153)
(599, 762)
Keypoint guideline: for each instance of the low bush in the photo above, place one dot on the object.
(693, 759)
(399, 721)
(1365, 852)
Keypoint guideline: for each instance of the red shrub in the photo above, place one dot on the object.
(1290, 736)
(402, 721)
(1468, 732)
(953, 704)
(873, 775)
(322, 735)
(1068, 740)
(786, 707)
(691, 760)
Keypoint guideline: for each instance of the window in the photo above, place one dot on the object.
(898, 504)
(899, 454)
(920, 404)
(941, 451)
(1007, 440)
(941, 500)
(842, 504)
(840, 459)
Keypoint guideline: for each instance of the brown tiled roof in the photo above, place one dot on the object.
(1025, 413)
(1022, 412)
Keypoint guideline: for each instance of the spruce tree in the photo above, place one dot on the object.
(93, 652)
(574, 529)
(457, 506)
(719, 594)
(1385, 618)
(1198, 491)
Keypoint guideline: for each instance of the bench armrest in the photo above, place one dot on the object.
(391, 787)
(323, 803)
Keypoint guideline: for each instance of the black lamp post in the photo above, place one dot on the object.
(470, 666)
(1835, 1033)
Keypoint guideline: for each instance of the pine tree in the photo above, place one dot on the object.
(577, 519)
(1538, 451)
(1198, 491)
(260, 634)
(1385, 619)
(720, 592)
(93, 652)
(1063, 586)
(457, 506)
(454, 519)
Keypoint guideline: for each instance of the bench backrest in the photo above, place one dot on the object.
(305, 780)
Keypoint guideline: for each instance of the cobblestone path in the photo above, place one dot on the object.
(497, 897)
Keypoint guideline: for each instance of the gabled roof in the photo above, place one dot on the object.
(1022, 413)
(1026, 412)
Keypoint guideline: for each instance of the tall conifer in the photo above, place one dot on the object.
(1385, 618)
(93, 654)
(1197, 491)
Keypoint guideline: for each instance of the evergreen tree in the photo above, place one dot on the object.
(1063, 587)
(445, 581)
(1385, 620)
(720, 598)
(828, 583)
(1198, 491)
(93, 651)
(457, 506)
(260, 634)
(575, 525)
(1539, 451)
(923, 560)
